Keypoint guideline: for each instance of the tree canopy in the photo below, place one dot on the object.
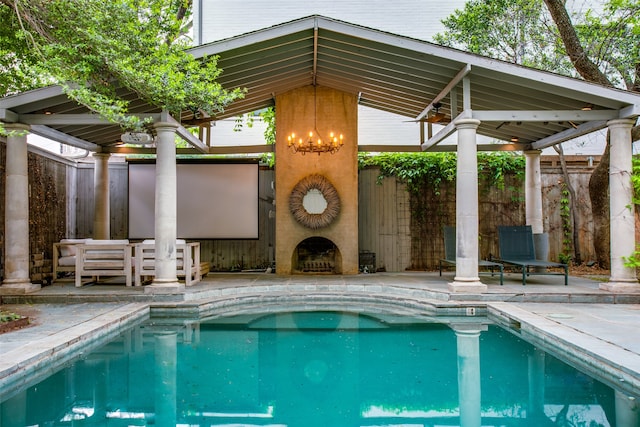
(604, 47)
(100, 50)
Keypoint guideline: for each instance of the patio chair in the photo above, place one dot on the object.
(187, 261)
(517, 249)
(450, 254)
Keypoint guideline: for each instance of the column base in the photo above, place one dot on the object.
(19, 288)
(467, 287)
(620, 286)
(161, 287)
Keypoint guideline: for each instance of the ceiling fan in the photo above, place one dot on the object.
(435, 116)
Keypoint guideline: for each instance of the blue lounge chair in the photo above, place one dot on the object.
(450, 254)
(517, 249)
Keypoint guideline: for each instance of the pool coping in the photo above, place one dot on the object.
(584, 350)
(38, 358)
(597, 356)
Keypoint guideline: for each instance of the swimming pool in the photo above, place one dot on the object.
(318, 368)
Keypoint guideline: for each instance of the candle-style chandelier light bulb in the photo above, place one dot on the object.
(330, 145)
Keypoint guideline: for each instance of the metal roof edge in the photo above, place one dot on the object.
(423, 46)
(33, 95)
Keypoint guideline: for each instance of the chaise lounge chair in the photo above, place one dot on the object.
(517, 249)
(450, 254)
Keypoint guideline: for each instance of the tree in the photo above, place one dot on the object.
(610, 38)
(601, 48)
(98, 50)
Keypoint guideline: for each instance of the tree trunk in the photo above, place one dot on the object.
(575, 217)
(579, 58)
(599, 195)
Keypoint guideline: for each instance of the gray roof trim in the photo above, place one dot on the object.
(61, 137)
(32, 96)
(545, 115)
(258, 36)
(566, 135)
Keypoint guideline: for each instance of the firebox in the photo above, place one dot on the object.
(316, 255)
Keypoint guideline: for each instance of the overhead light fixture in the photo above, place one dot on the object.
(587, 107)
(137, 138)
(436, 116)
(514, 139)
(314, 143)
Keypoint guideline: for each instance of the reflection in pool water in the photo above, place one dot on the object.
(317, 369)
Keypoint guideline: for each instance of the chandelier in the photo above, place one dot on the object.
(313, 143)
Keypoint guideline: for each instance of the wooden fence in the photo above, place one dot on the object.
(402, 231)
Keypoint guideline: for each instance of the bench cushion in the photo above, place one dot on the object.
(68, 247)
(67, 261)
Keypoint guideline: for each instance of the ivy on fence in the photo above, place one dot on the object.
(415, 169)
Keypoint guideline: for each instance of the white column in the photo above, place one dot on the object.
(533, 191)
(627, 410)
(622, 219)
(466, 279)
(166, 393)
(165, 231)
(469, 384)
(102, 216)
(533, 205)
(536, 375)
(16, 216)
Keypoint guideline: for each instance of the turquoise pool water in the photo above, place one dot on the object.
(315, 369)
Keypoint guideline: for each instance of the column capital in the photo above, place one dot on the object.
(467, 123)
(469, 329)
(101, 154)
(532, 152)
(623, 123)
(166, 126)
(16, 127)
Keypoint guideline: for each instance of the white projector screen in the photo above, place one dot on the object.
(215, 200)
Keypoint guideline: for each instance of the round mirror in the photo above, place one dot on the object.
(314, 201)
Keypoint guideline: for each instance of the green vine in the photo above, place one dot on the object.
(425, 174)
(565, 215)
(635, 179)
(633, 260)
(269, 117)
(416, 169)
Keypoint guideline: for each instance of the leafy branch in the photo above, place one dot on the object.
(102, 52)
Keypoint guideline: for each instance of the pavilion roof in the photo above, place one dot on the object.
(389, 72)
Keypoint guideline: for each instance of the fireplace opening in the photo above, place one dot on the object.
(317, 255)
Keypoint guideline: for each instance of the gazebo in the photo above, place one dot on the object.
(297, 63)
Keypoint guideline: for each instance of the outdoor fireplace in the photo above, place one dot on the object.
(316, 193)
(316, 255)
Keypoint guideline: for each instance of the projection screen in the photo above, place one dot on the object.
(215, 200)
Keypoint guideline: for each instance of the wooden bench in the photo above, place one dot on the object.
(64, 256)
(187, 261)
(98, 258)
